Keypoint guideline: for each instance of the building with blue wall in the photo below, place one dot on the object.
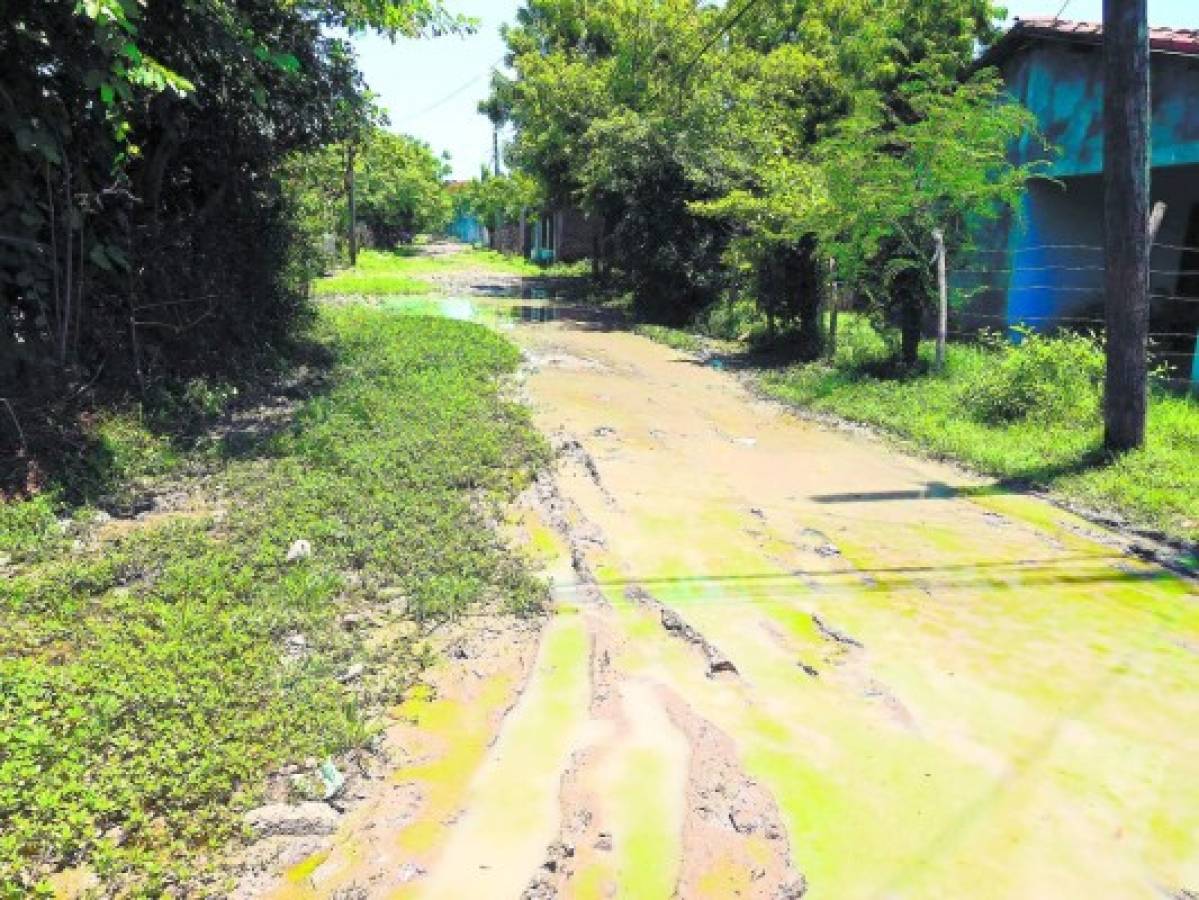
(1044, 267)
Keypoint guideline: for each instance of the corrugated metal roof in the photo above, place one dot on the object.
(1166, 40)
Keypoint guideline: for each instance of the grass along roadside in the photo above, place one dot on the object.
(153, 675)
(1027, 414)
(406, 271)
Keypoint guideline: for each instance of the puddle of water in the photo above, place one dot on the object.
(498, 312)
(533, 307)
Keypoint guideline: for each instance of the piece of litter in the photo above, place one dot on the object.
(746, 442)
(299, 550)
(332, 779)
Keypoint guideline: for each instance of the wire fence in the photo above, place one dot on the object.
(1072, 273)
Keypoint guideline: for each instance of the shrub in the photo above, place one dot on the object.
(1045, 378)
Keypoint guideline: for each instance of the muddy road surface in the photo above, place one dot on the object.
(786, 661)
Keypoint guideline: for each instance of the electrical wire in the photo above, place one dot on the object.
(437, 104)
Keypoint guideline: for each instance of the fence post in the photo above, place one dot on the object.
(834, 303)
(1155, 222)
(943, 298)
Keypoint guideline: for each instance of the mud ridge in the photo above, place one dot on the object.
(731, 819)
(828, 632)
(581, 840)
(569, 448)
(718, 663)
(578, 533)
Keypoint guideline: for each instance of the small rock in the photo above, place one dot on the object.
(604, 841)
(558, 854)
(808, 670)
(746, 441)
(409, 872)
(100, 517)
(352, 674)
(671, 620)
(540, 889)
(743, 822)
(827, 551)
(302, 820)
(1143, 551)
(295, 645)
(604, 431)
(718, 664)
(298, 551)
(795, 889)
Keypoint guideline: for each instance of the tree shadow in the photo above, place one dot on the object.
(113, 446)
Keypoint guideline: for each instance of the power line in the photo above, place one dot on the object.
(452, 95)
(721, 32)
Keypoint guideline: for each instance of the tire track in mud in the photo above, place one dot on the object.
(730, 839)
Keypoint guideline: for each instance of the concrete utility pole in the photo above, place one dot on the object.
(1126, 118)
(942, 299)
(352, 194)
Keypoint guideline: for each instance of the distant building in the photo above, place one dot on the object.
(565, 234)
(1045, 266)
(467, 229)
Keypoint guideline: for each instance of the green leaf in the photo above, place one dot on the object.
(100, 258)
(107, 94)
(286, 61)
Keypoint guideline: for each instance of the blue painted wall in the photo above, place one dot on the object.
(467, 229)
(1043, 267)
(1062, 83)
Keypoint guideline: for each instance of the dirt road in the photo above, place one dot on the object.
(786, 661)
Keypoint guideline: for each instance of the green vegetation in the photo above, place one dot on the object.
(1027, 413)
(403, 271)
(505, 196)
(399, 184)
(734, 151)
(155, 672)
(125, 132)
(377, 274)
(675, 338)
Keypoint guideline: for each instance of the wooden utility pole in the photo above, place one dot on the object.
(942, 299)
(495, 158)
(352, 194)
(1126, 181)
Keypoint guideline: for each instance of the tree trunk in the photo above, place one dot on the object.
(910, 326)
(1126, 180)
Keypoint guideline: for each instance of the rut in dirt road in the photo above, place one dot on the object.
(781, 665)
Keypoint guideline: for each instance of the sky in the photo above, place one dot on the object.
(432, 88)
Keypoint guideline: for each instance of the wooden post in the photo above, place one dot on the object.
(833, 304)
(353, 204)
(942, 298)
(1126, 218)
(1155, 222)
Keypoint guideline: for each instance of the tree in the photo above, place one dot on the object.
(600, 119)
(140, 147)
(489, 197)
(402, 187)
